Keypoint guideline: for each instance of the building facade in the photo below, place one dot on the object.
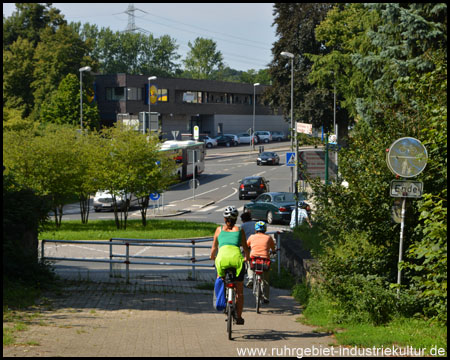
(215, 106)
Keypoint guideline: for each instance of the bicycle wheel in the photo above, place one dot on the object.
(229, 320)
(258, 294)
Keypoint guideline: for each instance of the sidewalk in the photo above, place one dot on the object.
(159, 314)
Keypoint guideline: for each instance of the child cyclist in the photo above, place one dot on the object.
(260, 244)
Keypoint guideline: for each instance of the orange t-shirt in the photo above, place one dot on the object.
(260, 245)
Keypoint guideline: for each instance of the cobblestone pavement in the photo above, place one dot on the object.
(160, 313)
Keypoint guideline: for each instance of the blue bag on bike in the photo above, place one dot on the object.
(220, 302)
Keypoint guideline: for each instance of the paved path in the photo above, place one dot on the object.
(160, 314)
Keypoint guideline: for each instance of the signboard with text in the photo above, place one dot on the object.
(313, 164)
(304, 128)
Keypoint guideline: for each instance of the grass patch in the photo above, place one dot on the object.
(399, 332)
(106, 229)
(284, 280)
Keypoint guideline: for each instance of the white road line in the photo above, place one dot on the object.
(208, 208)
(190, 197)
(226, 197)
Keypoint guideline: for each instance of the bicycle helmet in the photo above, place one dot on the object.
(230, 212)
(260, 226)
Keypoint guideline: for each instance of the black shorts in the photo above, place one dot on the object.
(242, 274)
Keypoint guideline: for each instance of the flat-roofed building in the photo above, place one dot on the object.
(215, 106)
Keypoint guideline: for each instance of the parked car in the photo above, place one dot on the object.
(209, 142)
(246, 138)
(264, 136)
(273, 207)
(252, 186)
(103, 200)
(278, 136)
(225, 140)
(235, 137)
(268, 158)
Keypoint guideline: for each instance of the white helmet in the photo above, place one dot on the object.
(230, 212)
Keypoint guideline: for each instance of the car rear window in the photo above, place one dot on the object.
(284, 197)
(251, 181)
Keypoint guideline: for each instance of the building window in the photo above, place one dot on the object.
(193, 97)
(134, 93)
(115, 94)
(163, 95)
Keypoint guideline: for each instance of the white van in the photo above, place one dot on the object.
(103, 200)
(264, 136)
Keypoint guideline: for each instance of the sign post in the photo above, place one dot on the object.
(406, 158)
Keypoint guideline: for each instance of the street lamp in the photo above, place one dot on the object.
(254, 104)
(149, 102)
(85, 68)
(291, 56)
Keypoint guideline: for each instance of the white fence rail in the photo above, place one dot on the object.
(128, 259)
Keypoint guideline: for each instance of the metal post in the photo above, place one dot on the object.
(292, 121)
(110, 258)
(81, 100)
(279, 252)
(193, 259)
(193, 174)
(400, 250)
(127, 262)
(326, 160)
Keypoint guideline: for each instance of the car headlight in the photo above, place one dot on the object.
(259, 159)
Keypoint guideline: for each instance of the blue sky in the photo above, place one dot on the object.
(243, 31)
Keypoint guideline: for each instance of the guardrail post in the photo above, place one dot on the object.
(279, 252)
(110, 257)
(127, 262)
(193, 259)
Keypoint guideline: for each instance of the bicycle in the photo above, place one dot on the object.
(258, 265)
(230, 293)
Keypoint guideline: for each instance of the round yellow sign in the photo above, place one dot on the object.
(153, 94)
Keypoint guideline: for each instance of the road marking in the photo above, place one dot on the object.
(190, 197)
(226, 197)
(208, 208)
(259, 174)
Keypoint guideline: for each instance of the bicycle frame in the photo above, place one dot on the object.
(230, 288)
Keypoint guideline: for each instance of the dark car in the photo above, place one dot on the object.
(252, 186)
(273, 207)
(268, 158)
(226, 140)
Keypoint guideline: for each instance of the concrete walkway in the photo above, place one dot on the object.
(160, 313)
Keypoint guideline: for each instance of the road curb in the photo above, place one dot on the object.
(181, 212)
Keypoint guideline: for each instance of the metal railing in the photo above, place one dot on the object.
(130, 259)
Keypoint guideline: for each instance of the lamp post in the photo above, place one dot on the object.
(291, 56)
(254, 104)
(85, 68)
(149, 102)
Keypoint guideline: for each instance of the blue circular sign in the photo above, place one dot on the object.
(155, 196)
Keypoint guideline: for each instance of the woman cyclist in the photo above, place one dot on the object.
(228, 239)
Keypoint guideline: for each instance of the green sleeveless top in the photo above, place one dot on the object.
(229, 238)
(229, 254)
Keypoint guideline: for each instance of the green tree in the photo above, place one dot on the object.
(64, 105)
(203, 58)
(49, 164)
(56, 56)
(129, 165)
(295, 25)
(18, 68)
(404, 94)
(28, 21)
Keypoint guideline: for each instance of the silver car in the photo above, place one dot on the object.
(103, 200)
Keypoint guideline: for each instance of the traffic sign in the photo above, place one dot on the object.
(407, 157)
(194, 184)
(406, 188)
(155, 196)
(196, 132)
(290, 159)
